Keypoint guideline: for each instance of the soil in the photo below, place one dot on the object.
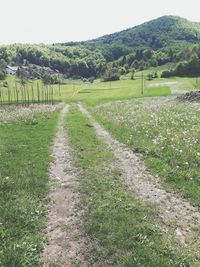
(65, 241)
(190, 96)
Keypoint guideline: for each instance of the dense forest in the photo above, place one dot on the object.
(189, 67)
(164, 40)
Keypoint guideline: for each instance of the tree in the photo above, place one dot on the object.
(150, 76)
(46, 78)
(3, 64)
(23, 75)
(132, 74)
(2, 75)
(166, 74)
(155, 75)
(112, 74)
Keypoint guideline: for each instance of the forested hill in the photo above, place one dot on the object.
(157, 42)
(162, 32)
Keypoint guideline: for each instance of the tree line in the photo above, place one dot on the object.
(165, 40)
(189, 67)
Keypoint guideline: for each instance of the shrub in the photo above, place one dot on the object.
(111, 75)
(2, 75)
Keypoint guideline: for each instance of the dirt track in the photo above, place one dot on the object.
(65, 241)
(176, 216)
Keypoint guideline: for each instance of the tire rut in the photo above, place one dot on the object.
(176, 215)
(65, 242)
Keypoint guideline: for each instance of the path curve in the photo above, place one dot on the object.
(174, 212)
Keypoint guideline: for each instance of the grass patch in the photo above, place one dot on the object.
(89, 91)
(101, 92)
(24, 159)
(165, 132)
(158, 91)
(122, 229)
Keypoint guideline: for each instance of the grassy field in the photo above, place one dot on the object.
(99, 92)
(165, 132)
(122, 230)
(36, 92)
(24, 157)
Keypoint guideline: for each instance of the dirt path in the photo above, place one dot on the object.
(65, 242)
(177, 216)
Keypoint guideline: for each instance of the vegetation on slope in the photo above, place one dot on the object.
(153, 43)
(189, 67)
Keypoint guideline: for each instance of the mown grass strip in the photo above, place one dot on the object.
(122, 229)
(158, 91)
(24, 159)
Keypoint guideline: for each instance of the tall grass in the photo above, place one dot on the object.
(165, 132)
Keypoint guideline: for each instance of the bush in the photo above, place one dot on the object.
(2, 75)
(91, 79)
(166, 74)
(111, 75)
(5, 84)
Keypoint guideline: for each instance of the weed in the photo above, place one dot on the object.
(165, 132)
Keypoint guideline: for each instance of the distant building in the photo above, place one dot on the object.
(12, 70)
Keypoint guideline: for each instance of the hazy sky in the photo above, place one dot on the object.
(48, 21)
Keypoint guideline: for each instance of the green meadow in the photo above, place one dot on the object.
(98, 91)
(125, 230)
(139, 113)
(24, 159)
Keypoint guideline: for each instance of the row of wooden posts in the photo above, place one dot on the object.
(28, 94)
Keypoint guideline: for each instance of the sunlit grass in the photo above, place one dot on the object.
(165, 132)
(24, 159)
(121, 230)
(99, 92)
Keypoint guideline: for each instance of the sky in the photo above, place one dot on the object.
(50, 21)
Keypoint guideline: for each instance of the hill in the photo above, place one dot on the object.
(161, 32)
(163, 40)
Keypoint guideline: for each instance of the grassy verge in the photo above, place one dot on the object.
(24, 158)
(121, 228)
(165, 132)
